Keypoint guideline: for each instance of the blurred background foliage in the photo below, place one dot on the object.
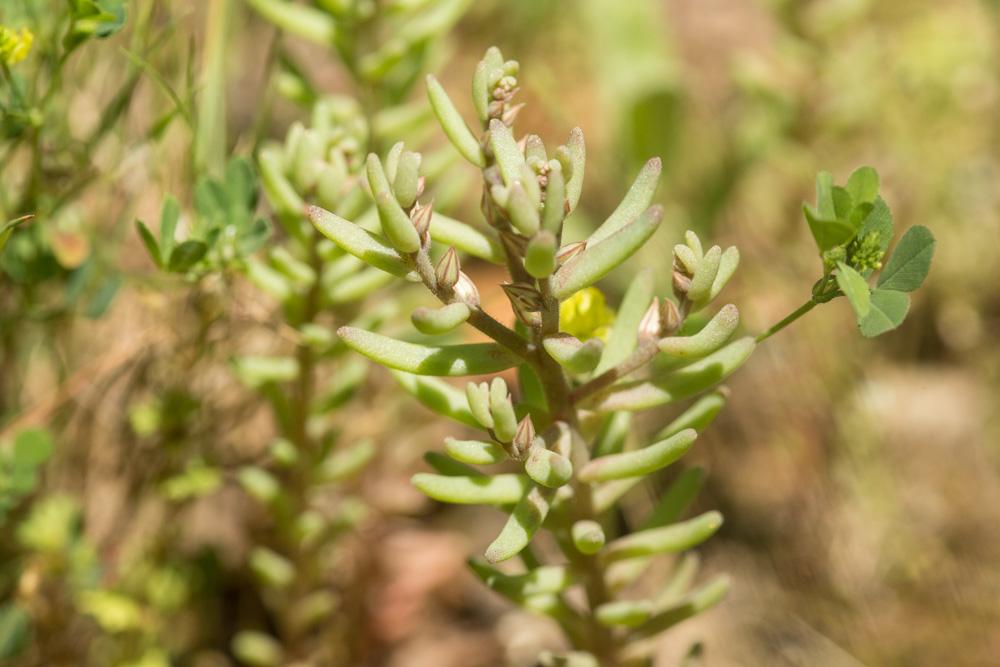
(859, 479)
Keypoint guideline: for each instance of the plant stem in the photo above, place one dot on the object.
(794, 315)
(642, 355)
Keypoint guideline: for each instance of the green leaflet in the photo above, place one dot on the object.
(711, 337)
(572, 354)
(682, 383)
(636, 200)
(466, 238)
(854, 287)
(437, 395)
(433, 321)
(639, 462)
(474, 452)
(888, 310)
(669, 539)
(452, 360)
(623, 339)
(910, 261)
(863, 185)
(524, 521)
(453, 124)
(599, 259)
(360, 243)
(505, 489)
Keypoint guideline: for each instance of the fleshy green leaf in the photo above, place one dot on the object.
(474, 452)
(639, 462)
(466, 238)
(698, 601)
(682, 383)
(599, 259)
(577, 157)
(548, 468)
(433, 321)
(637, 199)
(669, 539)
(624, 613)
(676, 499)
(505, 489)
(544, 580)
(698, 416)
(854, 287)
(711, 337)
(468, 359)
(623, 338)
(396, 223)
(573, 354)
(588, 536)
(910, 261)
(438, 396)
(360, 243)
(888, 310)
(453, 124)
(522, 525)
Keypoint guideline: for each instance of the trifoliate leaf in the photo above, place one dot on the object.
(863, 185)
(854, 287)
(910, 261)
(888, 310)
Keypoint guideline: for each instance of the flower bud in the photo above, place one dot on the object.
(526, 301)
(449, 268)
(420, 216)
(466, 290)
(523, 437)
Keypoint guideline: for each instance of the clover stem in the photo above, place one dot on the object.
(794, 315)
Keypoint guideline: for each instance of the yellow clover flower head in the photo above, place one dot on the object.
(586, 315)
(14, 44)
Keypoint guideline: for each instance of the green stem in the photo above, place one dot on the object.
(794, 315)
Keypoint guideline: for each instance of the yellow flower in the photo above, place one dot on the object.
(14, 44)
(586, 315)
